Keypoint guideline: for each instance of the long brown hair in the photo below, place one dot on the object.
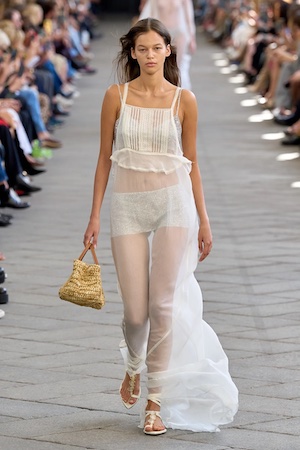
(128, 68)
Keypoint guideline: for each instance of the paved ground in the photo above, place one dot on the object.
(60, 365)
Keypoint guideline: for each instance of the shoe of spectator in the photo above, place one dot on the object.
(2, 313)
(67, 95)
(88, 55)
(53, 123)
(51, 143)
(7, 216)
(23, 182)
(3, 296)
(87, 70)
(58, 110)
(34, 162)
(14, 201)
(269, 104)
(291, 139)
(40, 152)
(4, 195)
(76, 94)
(77, 76)
(262, 100)
(289, 131)
(79, 61)
(289, 120)
(21, 192)
(4, 221)
(70, 88)
(34, 170)
(66, 102)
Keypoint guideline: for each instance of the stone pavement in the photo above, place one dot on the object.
(60, 365)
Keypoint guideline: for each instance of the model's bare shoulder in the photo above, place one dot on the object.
(188, 105)
(188, 97)
(112, 92)
(111, 101)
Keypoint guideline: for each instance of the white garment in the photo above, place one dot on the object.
(178, 17)
(154, 228)
(21, 133)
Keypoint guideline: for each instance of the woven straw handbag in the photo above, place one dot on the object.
(84, 286)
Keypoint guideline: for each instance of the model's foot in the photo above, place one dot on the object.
(153, 422)
(130, 390)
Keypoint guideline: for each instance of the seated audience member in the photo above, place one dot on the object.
(8, 196)
(43, 45)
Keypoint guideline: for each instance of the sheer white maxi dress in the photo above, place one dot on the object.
(154, 229)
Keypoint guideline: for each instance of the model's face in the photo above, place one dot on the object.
(150, 51)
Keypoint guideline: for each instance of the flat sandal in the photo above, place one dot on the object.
(150, 422)
(132, 381)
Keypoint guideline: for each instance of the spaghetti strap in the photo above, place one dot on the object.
(121, 99)
(178, 102)
(176, 96)
(125, 92)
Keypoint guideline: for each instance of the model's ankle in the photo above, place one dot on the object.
(151, 406)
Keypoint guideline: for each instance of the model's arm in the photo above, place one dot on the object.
(189, 117)
(109, 113)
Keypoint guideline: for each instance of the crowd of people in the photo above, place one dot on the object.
(263, 41)
(44, 48)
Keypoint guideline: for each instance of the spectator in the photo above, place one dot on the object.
(41, 50)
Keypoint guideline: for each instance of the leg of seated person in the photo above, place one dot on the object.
(45, 83)
(28, 124)
(13, 166)
(13, 162)
(57, 82)
(61, 66)
(21, 133)
(295, 88)
(4, 187)
(274, 76)
(283, 99)
(31, 98)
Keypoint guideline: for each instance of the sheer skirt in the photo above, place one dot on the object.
(154, 229)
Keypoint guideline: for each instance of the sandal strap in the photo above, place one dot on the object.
(152, 413)
(132, 381)
(155, 398)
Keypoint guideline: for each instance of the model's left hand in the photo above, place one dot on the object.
(204, 241)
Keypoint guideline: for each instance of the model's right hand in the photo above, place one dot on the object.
(92, 232)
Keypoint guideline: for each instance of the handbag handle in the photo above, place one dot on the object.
(89, 246)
